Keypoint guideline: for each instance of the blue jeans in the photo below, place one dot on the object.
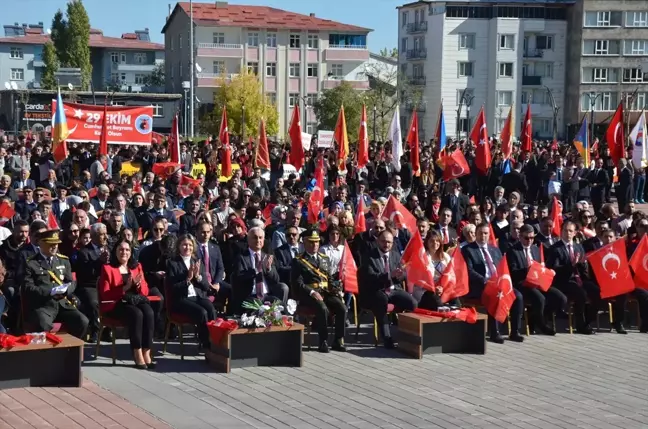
(639, 184)
(3, 305)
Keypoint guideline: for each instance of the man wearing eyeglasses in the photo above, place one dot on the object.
(543, 304)
(25, 206)
(287, 252)
(159, 209)
(366, 241)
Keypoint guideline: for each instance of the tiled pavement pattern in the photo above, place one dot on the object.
(89, 407)
(568, 381)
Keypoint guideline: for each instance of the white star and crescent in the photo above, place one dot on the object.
(605, 260)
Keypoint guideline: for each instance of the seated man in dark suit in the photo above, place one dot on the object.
(510, 237)
(546, 237)
(255, 275)
(382, 284)
(595, 243)
(448, 233)
(210, 255)
(519, 257)
(285, 254)
(456, 201)
(482, 260)
(159, 204)
(129, 220)
(365, 242)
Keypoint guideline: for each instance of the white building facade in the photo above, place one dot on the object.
(498, 55)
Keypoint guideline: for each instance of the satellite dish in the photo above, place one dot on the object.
(14, 86)
(70, 87)
(198, 68)
(7, 86)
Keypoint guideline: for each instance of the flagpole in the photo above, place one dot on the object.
(191, 66)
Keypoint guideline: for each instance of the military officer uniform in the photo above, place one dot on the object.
(42, 309)
(310, 274)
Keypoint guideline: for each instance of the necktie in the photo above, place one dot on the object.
(206, 263)
(550, 240)
(259, 285)
(446, 239)
(571, 252)
(528, 255)
(386, 262)
(124, 221)
(489, 262)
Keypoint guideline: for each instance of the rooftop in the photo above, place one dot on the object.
(231, 15)
(495, 2)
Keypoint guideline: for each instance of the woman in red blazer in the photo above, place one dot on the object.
(123, 295)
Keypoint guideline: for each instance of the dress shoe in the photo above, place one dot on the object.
(620, 329)
(338, 345)
(516, 337)
(497, 339)
(323, 347)
(388, 342)
(643, 329)
(140, 366)
(585, 330)
(546, 330)
(151, 365)
(92, 338)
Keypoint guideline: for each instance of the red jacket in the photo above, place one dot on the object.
(110, 287)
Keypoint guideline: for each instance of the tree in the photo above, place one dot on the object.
(78, 36)
(327, 108)
(156, 78)
(48, 80)
(389, 53)
(60, 38)
(242, 90)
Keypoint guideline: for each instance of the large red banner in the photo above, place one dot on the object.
(126, 124)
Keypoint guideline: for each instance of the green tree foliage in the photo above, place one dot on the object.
(60, 38)
(389, 53)
(156, 78)
(327, 108)
(242, 90)
(78, 35)
(48, 81)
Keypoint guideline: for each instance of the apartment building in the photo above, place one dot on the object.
(117, 62)
(295, 56)
(473, 53)
(608, 57)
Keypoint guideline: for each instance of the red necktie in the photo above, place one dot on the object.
(206, 263)
(489, 261)
(259, 285)
(446, 239)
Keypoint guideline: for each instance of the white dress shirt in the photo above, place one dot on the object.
(191, 291)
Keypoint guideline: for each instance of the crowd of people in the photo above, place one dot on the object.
(84, 241)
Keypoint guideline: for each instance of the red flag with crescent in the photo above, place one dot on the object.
(174, 141)
(399, 215)
(103, 138)
(610, 266)
(527, 132)
(296, 156)
(492, 239)
(615, 137)
(51, 221)
(360, 221)
(262, 157)
(639, 263)
(316, 200)
(414, 260)
(455, 165)
(454, 280)
(556, 216)
(165, 169)
(348, 271)
(413, 142)
(226, 154)
(498, 295)
(363, 140)
(187, 185)
(479, 137)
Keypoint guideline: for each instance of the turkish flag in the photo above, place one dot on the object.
(414, 260)
(174, 141)
(527, 132)
(360, 221)
(454, 280)
(316, 200)
(615, 137)
(341, 137)
(506, 136)
(557, 217)
(479, 137)
(296, 157)
(492, 239)
(51, 221)
(638, 263)
(7, 211)
(610, 266)
(262, 157)
(348, 271)
(103, 138)
(92, 192)
(226, 154)
(498, 295)
(187, 185)
(165, 169)
(267, 213)
(398, 214)
(413, 141)
(363, 140)
(540, 276)
(455, 165)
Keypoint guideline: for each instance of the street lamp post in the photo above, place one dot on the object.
(592, 98)
(186, 86)
(555, 110)
(191, 66)
(374, 122)
(466, 99)
(16, 122)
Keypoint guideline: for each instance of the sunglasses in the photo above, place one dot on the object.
(40, 195)
(158, 229)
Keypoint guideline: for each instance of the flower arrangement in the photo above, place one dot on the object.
(266, 314)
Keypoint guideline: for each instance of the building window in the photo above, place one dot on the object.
(17, 53)
(465, 69)
(122, 77)
(505, 70)
(544, 42)
(403, 18)
(542, 125)
(117, 103)
(295, 40)
(605, 102)
(313, 41)
(634, 76)
(470, 92)
(253, 39)
(293, 100)
(122, 57)
(180, 69)
(140, 58)
(603, 19)
(218, 67)
(114, 77)
(337, 71)
(404, 44)
(544, 69)
(634, 47)
(158, 110)
(171, 71)
(636, 103)
(463, 125)
(271, 69)
(293, 70)
(253, 67)
(311, 99)
(311, 127)
(171, 42)
(601, 47)
(272, 98)
(179, 41)
(114, 57)
(311, 70)
(466, 41)
(17, 74)
(218, 38)
(418, 71)
(504, 98)
(600, 75)
(636, 19)
(507, 41)
(139, 79)
(271, 41)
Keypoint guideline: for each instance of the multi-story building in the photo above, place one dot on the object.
(117, 62)
(295, 56)
(473, 53)
(608, 60)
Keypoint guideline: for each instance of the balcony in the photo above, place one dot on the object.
(421, 108)
(356, 84)
(214, 80)
(416, 27)
(531, 80)
(533, 53)
(357, 53)
(38, 61)
(417, 80)
(220, 50)
(416, 54)
(144, 68)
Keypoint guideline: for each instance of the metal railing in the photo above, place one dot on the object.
(417, 80)
(532, 80)
(417, 27)
(413, 54)
(360, 47)
(220, 45)
(533, 53)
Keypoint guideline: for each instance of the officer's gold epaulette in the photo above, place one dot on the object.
(62, 256)
(29, 258)
(323, 255)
